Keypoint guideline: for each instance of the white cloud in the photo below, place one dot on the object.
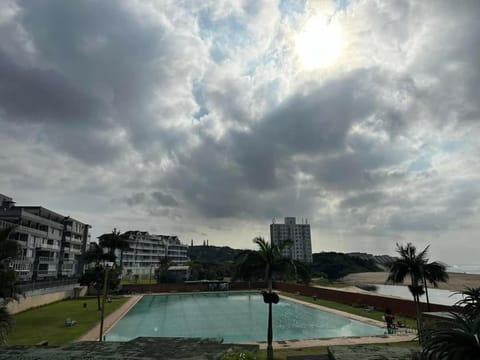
(200, 120)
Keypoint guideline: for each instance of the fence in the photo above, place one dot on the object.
(38, 285)
(399, 306)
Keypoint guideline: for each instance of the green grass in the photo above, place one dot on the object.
(141, 281)
(375, 314)
(48, 322)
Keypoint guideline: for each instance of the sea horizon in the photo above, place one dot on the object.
(464, 269)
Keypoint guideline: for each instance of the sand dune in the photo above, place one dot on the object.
(457, 281)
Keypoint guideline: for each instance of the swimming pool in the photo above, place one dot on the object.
(235, 317)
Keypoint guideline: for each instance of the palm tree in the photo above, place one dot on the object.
(95, 254)
(8, 250)
(114, 241)
(470, 303)
(268, 260)
(161, 273)
(410, 264)
(454, 339)
(433, 273)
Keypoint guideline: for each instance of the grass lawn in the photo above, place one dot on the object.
(48, 322)
(143, 281)
(375, 314)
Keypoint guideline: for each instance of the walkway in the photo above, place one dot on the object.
(110, 320)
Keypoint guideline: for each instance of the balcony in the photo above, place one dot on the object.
(47, 260)
(47, 273)
(49, 247)
(21, 265)
(68, 265)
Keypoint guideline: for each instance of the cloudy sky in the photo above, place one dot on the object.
(207, 119)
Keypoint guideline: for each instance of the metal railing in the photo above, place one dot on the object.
(45, 284)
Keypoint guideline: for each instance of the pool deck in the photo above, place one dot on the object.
(352, 340)
(114, 317)
(110, 320)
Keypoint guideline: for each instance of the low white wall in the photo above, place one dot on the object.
(39, 298)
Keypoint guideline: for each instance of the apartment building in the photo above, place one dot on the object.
(51, 245)
(148, 250)
(299, 234)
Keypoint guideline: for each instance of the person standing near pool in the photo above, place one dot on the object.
(389, 320)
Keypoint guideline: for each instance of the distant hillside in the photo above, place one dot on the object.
(211, 262)
(337, 265)
(212, 253)
(383, 261)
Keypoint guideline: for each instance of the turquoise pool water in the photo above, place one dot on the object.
(235, 317)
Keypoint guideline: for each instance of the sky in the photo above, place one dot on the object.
(209, 119)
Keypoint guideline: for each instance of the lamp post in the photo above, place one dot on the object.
(105, 283)
(270, 298)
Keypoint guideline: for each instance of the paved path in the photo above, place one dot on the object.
(110, 320)
(285, 344)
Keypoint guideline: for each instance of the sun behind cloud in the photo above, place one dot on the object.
(319, 43)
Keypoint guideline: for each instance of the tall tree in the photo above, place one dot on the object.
(269, 260)
(410, 264)
(94, 276)
(433, 273)
(95, 254)
(114, 241)
(8, 250)
(161, 273)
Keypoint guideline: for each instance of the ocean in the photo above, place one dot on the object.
(464, 269)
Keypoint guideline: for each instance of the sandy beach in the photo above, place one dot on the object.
(457, 281)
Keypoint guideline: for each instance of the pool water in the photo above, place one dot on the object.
(235, 317)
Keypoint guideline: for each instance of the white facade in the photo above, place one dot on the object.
(51, 245)
(148, 250)
(299, 234)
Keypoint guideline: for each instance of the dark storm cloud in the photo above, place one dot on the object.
(362, 200)
(164, 199)
(251, 173)
(37, 95)
(103, 64)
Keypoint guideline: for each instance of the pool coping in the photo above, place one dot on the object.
(111, 320)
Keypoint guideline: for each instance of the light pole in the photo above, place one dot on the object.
(105, 282)
(270, 298)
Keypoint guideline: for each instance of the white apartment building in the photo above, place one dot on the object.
(51, 245)
(148, 250)
(299, 234)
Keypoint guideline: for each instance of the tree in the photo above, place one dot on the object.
(95, 254)
(470, 303)
(269, 260)
(96, 276)
(433, 273)
(114, 241)
(410, 264)
(8, 250)
(161, 273)
(458, 337)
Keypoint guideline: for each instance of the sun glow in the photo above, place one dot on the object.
(320, 43)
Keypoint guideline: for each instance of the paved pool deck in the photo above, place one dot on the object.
(352, 340)
(110, 320)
